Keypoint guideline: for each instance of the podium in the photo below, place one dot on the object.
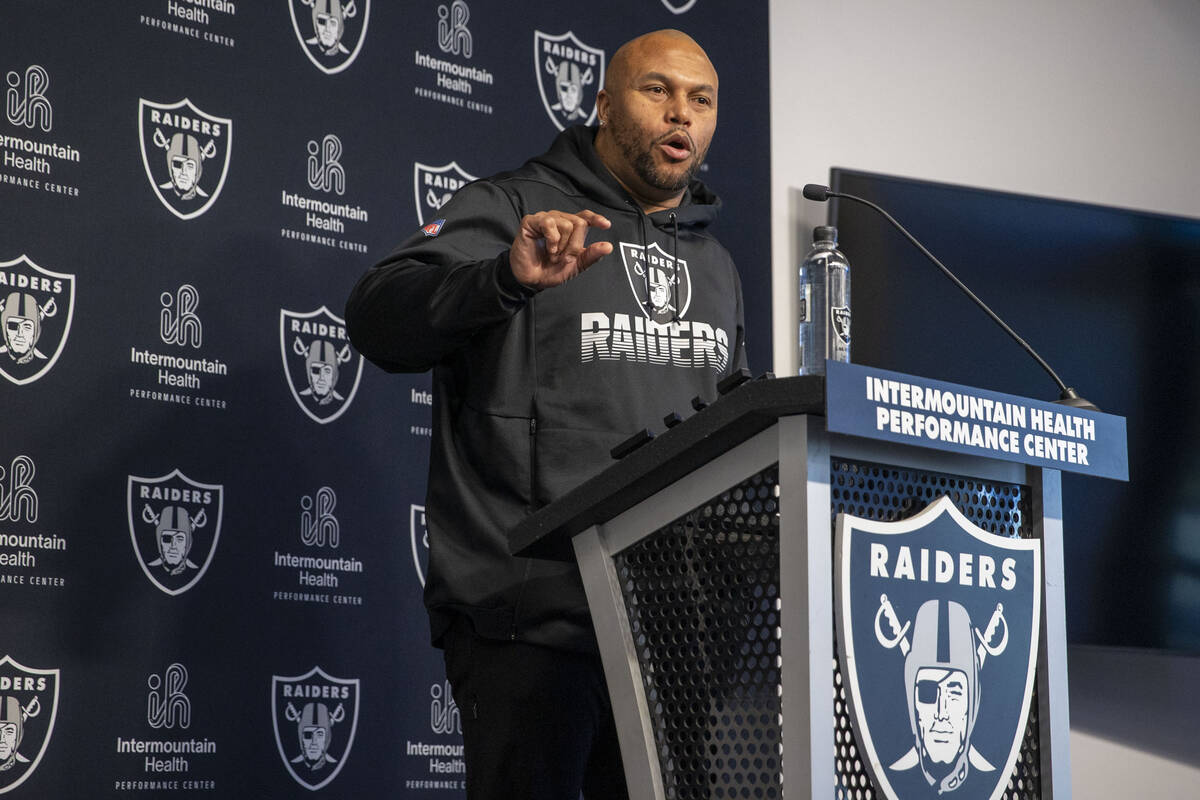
(707, 555)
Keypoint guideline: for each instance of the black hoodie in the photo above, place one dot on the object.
(532, 389)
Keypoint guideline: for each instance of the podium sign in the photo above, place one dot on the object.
(878, 404)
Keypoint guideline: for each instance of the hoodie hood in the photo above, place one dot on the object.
(573, 153)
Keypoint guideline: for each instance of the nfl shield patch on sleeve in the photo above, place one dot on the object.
(433, 228)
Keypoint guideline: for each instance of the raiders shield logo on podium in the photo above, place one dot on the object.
(937, 631)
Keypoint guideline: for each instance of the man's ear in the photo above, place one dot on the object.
(602, 103)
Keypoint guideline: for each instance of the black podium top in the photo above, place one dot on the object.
(752, 407)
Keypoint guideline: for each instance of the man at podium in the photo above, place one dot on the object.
(562, 306)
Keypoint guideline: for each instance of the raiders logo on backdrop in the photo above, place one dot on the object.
(419, 539)
(321, 368)
(938, 638)
(36, 308)
(186, 154)
(569, 74)
(174, 523)
(661, 284)
(679, 6)
(28, 709)
(331, 32)
(315, 717)
(434, 186)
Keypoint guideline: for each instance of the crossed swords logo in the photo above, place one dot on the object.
(887, 613)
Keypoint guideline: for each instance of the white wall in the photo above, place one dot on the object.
(1089, 100)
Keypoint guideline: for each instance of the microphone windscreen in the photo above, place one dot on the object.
(815, 191)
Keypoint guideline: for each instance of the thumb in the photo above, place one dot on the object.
(593, 253)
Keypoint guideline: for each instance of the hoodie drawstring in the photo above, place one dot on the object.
(675, 265)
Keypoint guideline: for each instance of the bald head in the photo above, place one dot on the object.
(632, 57)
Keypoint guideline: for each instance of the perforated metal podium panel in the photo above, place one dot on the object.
(702, 595)
(702, 598)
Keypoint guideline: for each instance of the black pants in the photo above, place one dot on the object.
(537, 723)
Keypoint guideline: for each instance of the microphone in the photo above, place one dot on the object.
(1067, 396)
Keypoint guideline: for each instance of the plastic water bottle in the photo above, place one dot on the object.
(824, 308)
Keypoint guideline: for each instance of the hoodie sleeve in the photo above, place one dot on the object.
(430, 295)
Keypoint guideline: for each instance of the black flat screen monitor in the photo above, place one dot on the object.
(1111, 299)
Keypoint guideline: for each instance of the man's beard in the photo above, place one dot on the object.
(642, 159)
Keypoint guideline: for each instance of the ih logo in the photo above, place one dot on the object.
(36, 308)
(318, 526)
(166, 704)
(177, 322)
(444, 716)
(453, 35)
(315, 717)
(28, 708)
(186, 154)
(331, 32)
(569, 74)
(419, 539)
(434, 186)
(174, 523)
(25, 100)
(325, 171)
(661, 284)
(18, 500)
(938, 634)
(318, 362)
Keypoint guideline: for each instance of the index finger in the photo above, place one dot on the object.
(593, 219)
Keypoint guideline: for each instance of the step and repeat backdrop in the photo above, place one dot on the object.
(212, 541)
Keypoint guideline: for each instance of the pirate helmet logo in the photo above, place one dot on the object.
(28, 709)
(331, 32)
(185, 152)
(569, 74)
(174, 523)
(36, 308)
(661, 284)
(315, 717)
(318, 362)
(434, 186)
(949, 710)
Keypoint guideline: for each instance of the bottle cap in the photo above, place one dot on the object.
(825, 233)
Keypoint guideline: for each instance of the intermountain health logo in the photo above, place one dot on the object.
(434, 186)
(569, 74)
(36, 308)
(331, 32)
(186, 154)
(661, 283)
(318, 526)
(174, 524)
(315, 717)
(36, 160)
(322, 370)
(28, 709)
(938, 638)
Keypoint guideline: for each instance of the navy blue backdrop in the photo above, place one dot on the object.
(211, 527)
